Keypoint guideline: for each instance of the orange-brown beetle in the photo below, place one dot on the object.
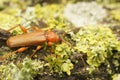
(37, 38)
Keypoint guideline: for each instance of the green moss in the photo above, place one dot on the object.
(52, 15)
(22, 71)
(115, 14)
(48, 11)
(97, 43)
(60, 62)
(8, 21)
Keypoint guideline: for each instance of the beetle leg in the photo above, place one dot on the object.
(50, 43)
(37, 29)
(21, 27)
(10, 54)
(13, 27)
(37, 48)
(20, 50)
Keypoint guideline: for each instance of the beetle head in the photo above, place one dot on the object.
(52, 37)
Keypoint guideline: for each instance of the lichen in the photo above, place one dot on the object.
(97, 43)
(84, 13)
(115, 14)
(22, 71)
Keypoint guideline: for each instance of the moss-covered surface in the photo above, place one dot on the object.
(89, 52)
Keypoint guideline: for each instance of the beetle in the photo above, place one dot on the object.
(27, 39)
